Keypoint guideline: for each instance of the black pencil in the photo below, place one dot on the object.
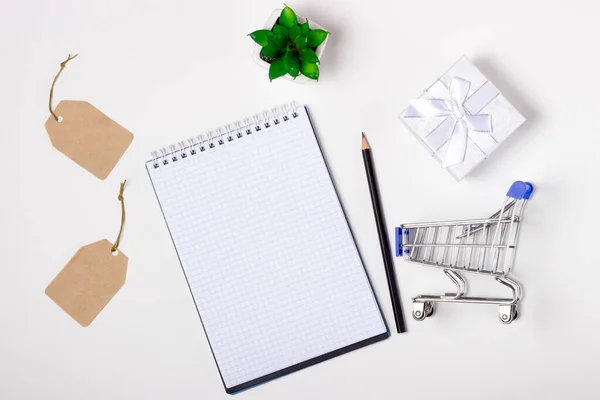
(383, 239)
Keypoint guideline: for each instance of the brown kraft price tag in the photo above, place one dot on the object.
(92, 277)
(86, 135)
(89, 281)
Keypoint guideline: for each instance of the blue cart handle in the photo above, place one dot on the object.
(520, 190)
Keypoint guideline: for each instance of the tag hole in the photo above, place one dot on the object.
(59, 119)
(115, 253)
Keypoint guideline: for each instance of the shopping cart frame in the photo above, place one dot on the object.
(495, 254)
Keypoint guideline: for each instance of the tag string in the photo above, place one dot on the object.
(122, 200)
(62, 66)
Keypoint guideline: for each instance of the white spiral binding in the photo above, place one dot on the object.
(223, 135)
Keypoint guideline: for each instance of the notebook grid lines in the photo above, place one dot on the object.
(267, 252)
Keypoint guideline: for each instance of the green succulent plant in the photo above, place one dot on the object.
(290, 46)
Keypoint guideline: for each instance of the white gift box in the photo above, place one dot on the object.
(462, 118)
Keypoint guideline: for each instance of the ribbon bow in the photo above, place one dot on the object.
(462, 125)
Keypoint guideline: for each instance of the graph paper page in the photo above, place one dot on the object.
(267, 252)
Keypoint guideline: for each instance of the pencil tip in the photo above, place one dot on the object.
(365, 142)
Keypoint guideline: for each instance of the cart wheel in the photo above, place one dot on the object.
(418, 315)
(505, 319)
(429, 309)
(508, 314)
(419, 311)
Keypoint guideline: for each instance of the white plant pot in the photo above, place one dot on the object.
(269, 25)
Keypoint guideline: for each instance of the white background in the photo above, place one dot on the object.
(168, 70)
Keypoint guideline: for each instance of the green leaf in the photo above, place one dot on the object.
(310, 70)
(280, 30)
(288, 17)
(292, 65)
(308, 55)
(277, 40)
(261, 36)
(300, 42)
(277, 68)
(316, 37)
(294, 32)
(271, 51)
(304, 29)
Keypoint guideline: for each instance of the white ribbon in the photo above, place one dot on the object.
(461, 124)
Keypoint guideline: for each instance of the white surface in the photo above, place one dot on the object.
(167, 70)
(262, 238)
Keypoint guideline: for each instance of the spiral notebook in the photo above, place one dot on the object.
(265, 247)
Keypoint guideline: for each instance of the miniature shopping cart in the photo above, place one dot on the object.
(484, 246)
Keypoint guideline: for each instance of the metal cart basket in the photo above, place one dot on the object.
(483, 246)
